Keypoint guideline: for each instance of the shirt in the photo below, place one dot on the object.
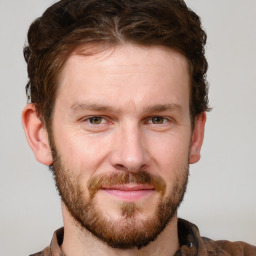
(191, 244)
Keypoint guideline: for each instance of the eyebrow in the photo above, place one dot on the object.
(95, 107)
(162, 108)
(149, 109)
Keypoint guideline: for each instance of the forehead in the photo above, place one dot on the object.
(129, 73)
(127, 56)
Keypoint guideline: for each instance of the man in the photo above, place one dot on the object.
(117, 99)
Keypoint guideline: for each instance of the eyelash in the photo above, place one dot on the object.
(150, 120)
(164, 119)
(90, 118)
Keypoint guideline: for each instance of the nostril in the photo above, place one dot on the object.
(121, 167)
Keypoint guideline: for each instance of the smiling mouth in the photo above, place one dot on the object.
(129, 192)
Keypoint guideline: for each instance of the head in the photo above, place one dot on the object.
(69, 24)
(118, 95)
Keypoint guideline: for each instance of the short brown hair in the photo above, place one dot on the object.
(69, 24)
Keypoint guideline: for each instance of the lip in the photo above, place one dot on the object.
(129, 192)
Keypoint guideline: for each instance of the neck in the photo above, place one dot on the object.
(80, 242)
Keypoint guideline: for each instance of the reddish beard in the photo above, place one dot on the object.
(129, 231)
(128, 209)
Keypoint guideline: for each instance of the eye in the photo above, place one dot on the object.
(96, 120)
(96, 123)
(158, 120)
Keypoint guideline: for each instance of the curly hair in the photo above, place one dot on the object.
(68, 24)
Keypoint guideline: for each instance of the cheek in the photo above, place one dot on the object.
(83, 153)
(170, 154)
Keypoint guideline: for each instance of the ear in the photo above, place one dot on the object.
(197, 138)
(36, 135)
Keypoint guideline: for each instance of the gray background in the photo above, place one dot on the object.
(222, 190)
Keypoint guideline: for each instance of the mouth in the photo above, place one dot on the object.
(129, 192)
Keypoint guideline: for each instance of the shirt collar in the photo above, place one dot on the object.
(191, 244)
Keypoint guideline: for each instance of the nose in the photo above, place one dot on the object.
(129, 150)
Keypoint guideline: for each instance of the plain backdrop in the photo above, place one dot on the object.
(221, 194)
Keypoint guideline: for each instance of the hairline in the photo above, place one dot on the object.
(101, 47)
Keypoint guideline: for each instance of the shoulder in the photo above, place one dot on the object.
(229, 248)
(45, 252)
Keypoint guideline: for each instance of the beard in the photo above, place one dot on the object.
(128, 231)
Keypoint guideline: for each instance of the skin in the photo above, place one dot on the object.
(126, 86)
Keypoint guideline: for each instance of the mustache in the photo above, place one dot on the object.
(120, 178)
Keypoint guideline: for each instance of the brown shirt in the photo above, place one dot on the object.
(191, 244)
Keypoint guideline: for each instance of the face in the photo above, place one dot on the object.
(121, 140)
